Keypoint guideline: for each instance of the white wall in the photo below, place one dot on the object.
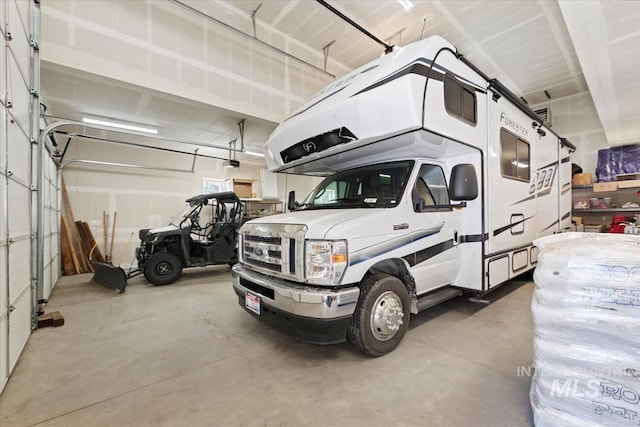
(160, 45)
(576, 119)
(148, 198)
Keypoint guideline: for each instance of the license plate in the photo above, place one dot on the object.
(252, 302)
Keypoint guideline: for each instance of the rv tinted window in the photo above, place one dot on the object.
(459, 101)
(514, 157)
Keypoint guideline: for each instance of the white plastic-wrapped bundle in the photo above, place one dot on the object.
(586, 315)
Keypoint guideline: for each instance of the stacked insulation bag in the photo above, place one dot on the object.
(586, 315)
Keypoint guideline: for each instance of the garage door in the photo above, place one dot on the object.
(15, 184)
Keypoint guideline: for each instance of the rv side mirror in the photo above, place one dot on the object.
(463, 184)
(291, 204)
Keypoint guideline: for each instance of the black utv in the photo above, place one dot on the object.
(204, 233)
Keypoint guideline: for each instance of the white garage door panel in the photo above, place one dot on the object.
(19, 326)
(3, 119)
(19, 267)
(23, 10)
(3, 85)
(3, 280)
(18, 153)
(3, 190)
(3, 352)
(20, 97)
(19, 43)
(19, 215)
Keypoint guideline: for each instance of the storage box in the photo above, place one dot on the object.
(581, 179)
(576, 219)
(600, 202)
(581, 203)
(605, 186)
(595, 228)
(243, 188)
(629, 183)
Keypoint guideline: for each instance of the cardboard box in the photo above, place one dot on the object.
(243, 188)
(576, 219)
(581, 179)
(629, 183)
(605, 186)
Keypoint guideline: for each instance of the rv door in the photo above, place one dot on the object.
(436, 260)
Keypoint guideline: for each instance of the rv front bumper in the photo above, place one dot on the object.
(312, 314)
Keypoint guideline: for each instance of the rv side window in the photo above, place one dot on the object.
(459, 100)
(514, 157)
(430, 188)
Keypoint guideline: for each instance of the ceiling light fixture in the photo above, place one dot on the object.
(407, 5)
(119, 125)
(253, 153)
(231, 163)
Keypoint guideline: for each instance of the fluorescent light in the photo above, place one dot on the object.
(520, 165)
(119, 125)
(253, 153)
(407, 5)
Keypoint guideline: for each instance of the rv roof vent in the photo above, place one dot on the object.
(545, 115)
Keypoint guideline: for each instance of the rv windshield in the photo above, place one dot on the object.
(373, 186)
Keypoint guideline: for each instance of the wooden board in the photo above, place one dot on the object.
(67, 260)
(74, 257)
(88, 236)
(84, 266)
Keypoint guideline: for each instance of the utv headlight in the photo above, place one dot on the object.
(326, 261)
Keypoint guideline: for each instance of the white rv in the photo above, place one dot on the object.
(438, 180)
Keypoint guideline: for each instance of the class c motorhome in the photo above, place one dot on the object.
(438, 179)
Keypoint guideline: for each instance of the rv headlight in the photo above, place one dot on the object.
(326, 261)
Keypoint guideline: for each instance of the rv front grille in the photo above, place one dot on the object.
(274, 249)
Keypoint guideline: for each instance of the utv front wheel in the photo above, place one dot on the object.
(162, 269)
(382, 315)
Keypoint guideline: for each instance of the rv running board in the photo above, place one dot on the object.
(436, 297)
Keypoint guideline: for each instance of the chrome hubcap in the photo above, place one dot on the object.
(386, 316)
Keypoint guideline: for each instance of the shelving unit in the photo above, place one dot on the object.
(256, 208)
(619, 197)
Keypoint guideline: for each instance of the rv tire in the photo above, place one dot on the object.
(382, 316)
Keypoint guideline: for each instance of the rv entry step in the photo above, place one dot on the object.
(436, 297)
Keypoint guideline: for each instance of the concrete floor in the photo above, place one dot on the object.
(188, 355)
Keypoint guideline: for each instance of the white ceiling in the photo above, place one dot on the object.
(532, 46)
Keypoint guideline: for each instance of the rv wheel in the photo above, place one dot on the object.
(382, 315)
(162, 269)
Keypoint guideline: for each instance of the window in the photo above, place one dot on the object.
(211, 185)
(514, 157)
(459, 100)
(430, 188)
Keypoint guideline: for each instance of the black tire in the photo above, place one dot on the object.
(162, 269)
(382, 315)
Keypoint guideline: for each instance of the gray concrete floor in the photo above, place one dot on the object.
(188, 355)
